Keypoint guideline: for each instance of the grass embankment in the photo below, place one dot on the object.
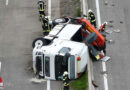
(81, 83)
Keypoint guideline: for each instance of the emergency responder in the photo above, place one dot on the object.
(102, 31)
(92, 18)
(45, 25)
(65, 81)
(41, 7)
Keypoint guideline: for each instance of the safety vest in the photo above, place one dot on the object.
(92, 17)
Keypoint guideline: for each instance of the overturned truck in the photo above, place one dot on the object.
(65, 48)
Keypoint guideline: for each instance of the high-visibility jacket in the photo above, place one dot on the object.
(65, 80)
(91, 17)
(45, 25)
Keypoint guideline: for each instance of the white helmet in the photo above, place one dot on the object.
(105, 22)
(90, 11)
(65, 73)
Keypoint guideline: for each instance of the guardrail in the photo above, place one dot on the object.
(84, 9)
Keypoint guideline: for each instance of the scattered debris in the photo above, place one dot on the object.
(106, 2)
(110, 41)
(116, 30)
(113, 4)
(111, 21)
(94, 84)
(106, 58)
(108, 31)
(121, 22)
(37, 81)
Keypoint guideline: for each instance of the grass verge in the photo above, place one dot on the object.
(81, 83)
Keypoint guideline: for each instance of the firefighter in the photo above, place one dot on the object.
(65, 81)
(92, 18)
(41, 7)
(102, 31)
(45, 25)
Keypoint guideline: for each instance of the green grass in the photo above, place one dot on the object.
(78, 1)
(81, 83)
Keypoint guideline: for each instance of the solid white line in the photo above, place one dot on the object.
(103, 63)
(84, 7)
(0, 66)
(49, 8)
(48, 84)
(98, 13)
(7, 2)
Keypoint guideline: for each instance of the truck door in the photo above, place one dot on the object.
(71, 68)
(39, 64)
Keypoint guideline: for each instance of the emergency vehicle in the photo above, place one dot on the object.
(63, 49)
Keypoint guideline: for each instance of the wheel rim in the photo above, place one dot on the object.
(39, 43)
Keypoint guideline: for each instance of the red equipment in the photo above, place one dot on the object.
(100, 38)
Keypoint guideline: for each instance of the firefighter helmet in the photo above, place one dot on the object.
(105, 23)
(90, 11)
(65, 73)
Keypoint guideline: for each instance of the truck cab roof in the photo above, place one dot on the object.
(64, 32)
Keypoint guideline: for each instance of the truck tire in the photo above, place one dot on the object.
(58, 20)
(39, 41)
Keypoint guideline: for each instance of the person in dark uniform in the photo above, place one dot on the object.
(65, 81)
(41, 7)
(92, 18)
(45, 25)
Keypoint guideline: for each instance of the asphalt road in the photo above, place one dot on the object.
(19, 26)
(118, 67)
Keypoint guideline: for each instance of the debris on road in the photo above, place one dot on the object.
(111, 21)
(95, 84)
(117, 30)
(106, 3)
(37, 81)
(121, 22)
(108, 31)
(113, 4)
(106, 58)
(110, 41)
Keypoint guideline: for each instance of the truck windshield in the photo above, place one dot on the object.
(61, 65)
(47, 66)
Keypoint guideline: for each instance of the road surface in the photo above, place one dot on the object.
(19, 26)
(118, 67)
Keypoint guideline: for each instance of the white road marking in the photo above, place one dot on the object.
(103, 63)
(48, 84)
(49, 8)
(0, 66)
(7, 2)
(98, 13)
(84, 7)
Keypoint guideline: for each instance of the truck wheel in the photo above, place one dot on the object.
(58, 20)
(39, 41)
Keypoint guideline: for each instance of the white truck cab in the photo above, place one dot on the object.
(62, 50)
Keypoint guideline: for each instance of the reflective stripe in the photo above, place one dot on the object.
(46, 30)
(98, 57)
(93, 20)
